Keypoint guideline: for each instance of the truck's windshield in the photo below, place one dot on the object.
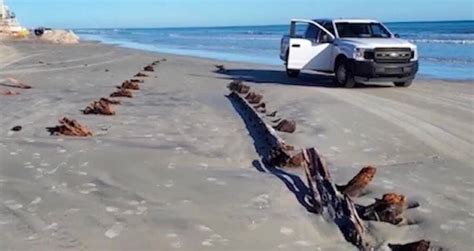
(362, 30)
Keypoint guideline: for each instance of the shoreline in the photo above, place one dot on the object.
(119, 45)
(175, 167)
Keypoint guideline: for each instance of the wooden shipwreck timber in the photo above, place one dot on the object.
(335, 202)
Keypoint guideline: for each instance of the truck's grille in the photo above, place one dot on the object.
(393, 55)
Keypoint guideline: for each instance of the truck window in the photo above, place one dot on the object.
(312, 33)
(362, 30)
(327, 26)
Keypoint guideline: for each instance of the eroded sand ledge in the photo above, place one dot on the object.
(173, 169)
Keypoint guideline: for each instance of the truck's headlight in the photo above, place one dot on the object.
(359, 54)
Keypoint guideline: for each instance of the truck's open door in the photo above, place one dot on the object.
(304, 53)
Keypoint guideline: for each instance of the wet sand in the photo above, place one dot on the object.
(174, 169)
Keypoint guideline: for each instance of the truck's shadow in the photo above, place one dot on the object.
(260, 76)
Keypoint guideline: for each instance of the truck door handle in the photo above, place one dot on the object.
(295, 45)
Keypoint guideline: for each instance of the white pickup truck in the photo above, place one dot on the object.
(354, 50)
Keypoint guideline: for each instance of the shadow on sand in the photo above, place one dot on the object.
(293, 182)
(259, 76)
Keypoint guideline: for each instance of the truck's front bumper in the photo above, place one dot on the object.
(369, 70)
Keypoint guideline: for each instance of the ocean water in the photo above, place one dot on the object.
(446, 48)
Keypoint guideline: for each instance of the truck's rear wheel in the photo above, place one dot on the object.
(344, 76)
(404, 84)
(292, 73)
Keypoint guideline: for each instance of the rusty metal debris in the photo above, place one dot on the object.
(122, 93)
(422, 245)
(141, 75)
(129, 85)
(102, 107)
(69, 127)
(254, 98)
(355, 186)
(288, 126)
(14, 83)
(149, 68)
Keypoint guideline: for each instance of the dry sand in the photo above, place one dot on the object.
(173, 170)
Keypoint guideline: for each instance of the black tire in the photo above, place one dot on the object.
(343, 75)
(292, 73)
(404, 84)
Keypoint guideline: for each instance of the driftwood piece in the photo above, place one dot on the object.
(129, 85)
(137, 80)
(325, 196)
(390, 209)
(339, 206)
(261, 105)
(69, 127)
(273, 114)
(8, 93)
(254, 98)
(278, 156)
(122, 93)
(14, 83)
(111, 101)
(288, 126)
(141, 75)
(282, 156)
(238, 86)
(355, 186)
(414, 246)
(102, 107)
(271, 136)
(149, 68)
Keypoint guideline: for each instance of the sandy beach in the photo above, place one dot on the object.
(174, 168)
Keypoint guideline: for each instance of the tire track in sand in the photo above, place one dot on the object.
(35, 65)
(72, 67)
(411, 120)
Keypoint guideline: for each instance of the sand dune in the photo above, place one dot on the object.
(173, 169)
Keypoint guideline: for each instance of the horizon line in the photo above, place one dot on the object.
(262, 25)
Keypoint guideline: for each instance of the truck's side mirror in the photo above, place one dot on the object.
(326, 39)
(396, 35)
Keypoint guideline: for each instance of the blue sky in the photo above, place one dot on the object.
(179, 13)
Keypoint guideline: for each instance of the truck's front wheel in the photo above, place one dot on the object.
(403, 84)
(343, 75)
